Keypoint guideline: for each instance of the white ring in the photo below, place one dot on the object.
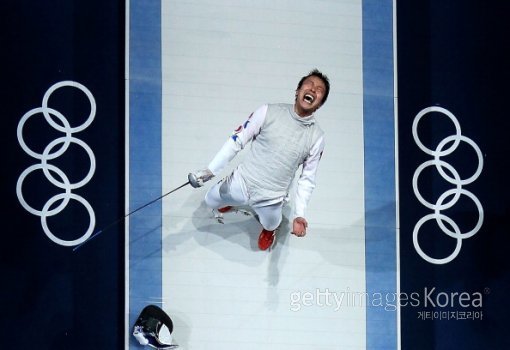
(60, 241)
(417, 246)
(446, 112)
(80, 183)
(478, 223)
(21, 140)
(417, 193)
(478, 154)
(19, 189)
(79, 86)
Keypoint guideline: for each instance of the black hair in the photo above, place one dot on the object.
(317, 73)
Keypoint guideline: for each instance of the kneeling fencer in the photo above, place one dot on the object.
(283, 136)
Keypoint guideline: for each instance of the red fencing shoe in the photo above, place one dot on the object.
(225, 209)
(266, 239)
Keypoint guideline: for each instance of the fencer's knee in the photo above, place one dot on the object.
(211, 198)
(224, 190)
(271, 224)
(217, 196)
(207, 200)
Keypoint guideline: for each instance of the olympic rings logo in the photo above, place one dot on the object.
(50, 152)
(453, 178)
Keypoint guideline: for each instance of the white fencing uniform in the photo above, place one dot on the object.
(281, 142)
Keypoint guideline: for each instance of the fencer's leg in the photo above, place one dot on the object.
(227, 193)
(214, 201)
(270, 218)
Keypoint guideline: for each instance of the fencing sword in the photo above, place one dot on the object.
(128, 214)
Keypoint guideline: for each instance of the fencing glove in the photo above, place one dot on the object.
(198, 178)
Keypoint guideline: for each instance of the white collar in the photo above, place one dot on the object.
(304, 120)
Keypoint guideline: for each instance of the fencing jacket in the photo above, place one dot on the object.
(281, 142)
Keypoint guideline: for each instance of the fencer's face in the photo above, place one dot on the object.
(309, 96)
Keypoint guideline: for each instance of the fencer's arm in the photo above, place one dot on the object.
(306, 181)
(238, 140)
(227, 152)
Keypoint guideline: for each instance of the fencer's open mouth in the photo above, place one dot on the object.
(309, 98)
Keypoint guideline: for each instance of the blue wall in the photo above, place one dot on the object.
(380, 196)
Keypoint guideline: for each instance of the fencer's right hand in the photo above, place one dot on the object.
(299, 226)
(199, 177)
